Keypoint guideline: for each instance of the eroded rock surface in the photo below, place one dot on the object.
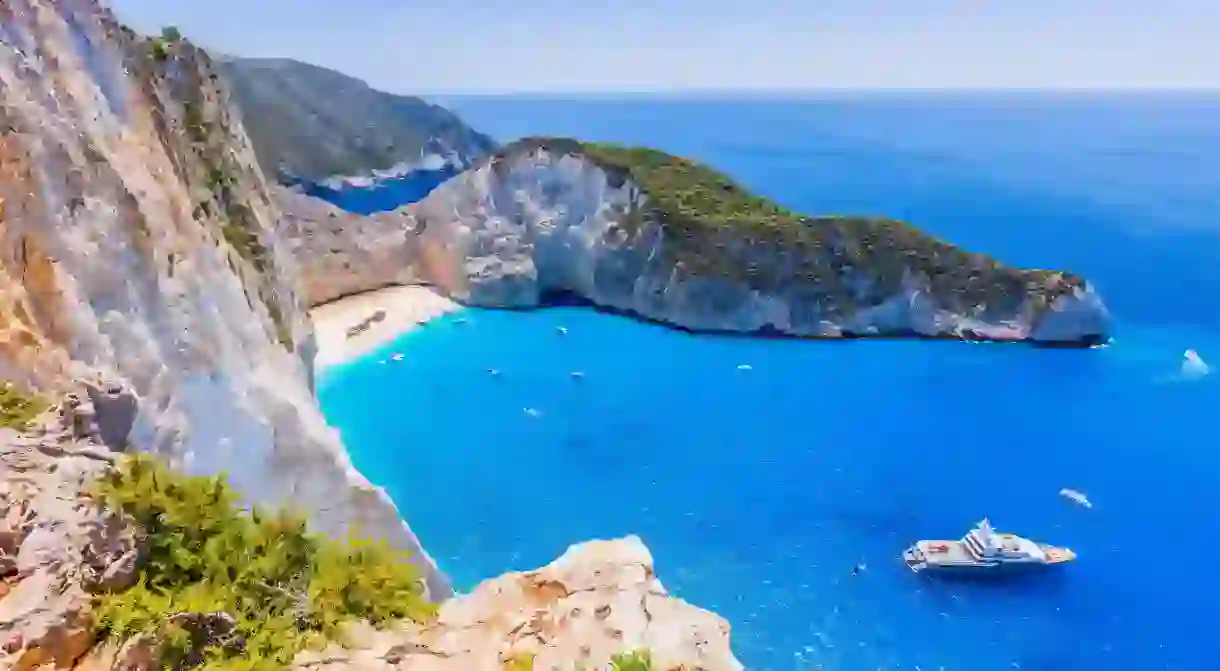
(535, 221)
(544, 217)
(57, 547)
(341, 253)
(599, 599)
(138, 241)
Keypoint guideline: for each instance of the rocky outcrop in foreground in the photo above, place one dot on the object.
(640, 231)
(57, 548)
(598, 600)
(61, 550)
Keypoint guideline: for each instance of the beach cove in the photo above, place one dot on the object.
(404, 308)
(761, 472)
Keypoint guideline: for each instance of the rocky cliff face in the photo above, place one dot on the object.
(599, 599)
(57, 547)
(342, 253)
(536, 220)
(138, 243)
(313, 123)
(60, 550)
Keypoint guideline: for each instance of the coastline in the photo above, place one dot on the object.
(405, 307)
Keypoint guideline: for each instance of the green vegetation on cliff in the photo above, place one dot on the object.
(208, 129)
(284, 587)
(715, 227)
(640, 660)
(314, 122)
(18, 409)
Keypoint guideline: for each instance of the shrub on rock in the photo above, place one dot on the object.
(284, 587)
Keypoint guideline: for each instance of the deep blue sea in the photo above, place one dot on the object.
(758, 490)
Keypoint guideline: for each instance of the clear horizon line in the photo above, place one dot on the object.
(697, 91)
(789, 93)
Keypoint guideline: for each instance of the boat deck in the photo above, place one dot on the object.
(947, 552)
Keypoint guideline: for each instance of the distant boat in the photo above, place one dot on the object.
(578, 374)
(396, 357)
(984, 550)
(1075, 496)
(493, 371)
(1193, 365)
(533, 412)
(745, 366)
(563, 330)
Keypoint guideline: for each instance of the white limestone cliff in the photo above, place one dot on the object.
(534, 221)
(59, 548)
(600, 599)
(340, 253)
(435, 156)
(138, 242)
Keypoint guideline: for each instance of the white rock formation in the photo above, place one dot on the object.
(341, 253)
(536, 220)
(56, 548)
(599, 599)
(436, 155)
(137, 239)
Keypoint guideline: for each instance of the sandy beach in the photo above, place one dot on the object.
(405, 308)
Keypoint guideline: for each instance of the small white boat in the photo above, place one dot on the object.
(745, 366)
(1075, 496)
(396, 357)
(578, 374)
(563, 330)
(1193, 365)
(533, 412)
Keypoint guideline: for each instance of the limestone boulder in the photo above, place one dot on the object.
(57, 547)
(599, 599)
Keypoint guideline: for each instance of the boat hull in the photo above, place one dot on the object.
(917, 564)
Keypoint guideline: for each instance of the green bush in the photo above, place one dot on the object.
(17, 408)
(287, 588)
(522, 661)
(158, 48)
(639, 660)
(714, 227)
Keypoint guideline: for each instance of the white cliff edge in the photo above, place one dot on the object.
(435, 156)
(118, 259)
(514, 229)
(599, 599)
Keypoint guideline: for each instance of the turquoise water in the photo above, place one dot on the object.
(758, 490)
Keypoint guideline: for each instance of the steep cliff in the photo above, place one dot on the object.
(138, 245)
(582, 610)
(314, 123)
(342, 253)
(150, 303)
(641, 231)
(104, 558)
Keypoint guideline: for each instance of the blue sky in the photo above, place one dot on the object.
(429, 46)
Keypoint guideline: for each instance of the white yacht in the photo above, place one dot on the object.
(984, 550)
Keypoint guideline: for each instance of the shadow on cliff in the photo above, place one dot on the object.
(553, 299)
